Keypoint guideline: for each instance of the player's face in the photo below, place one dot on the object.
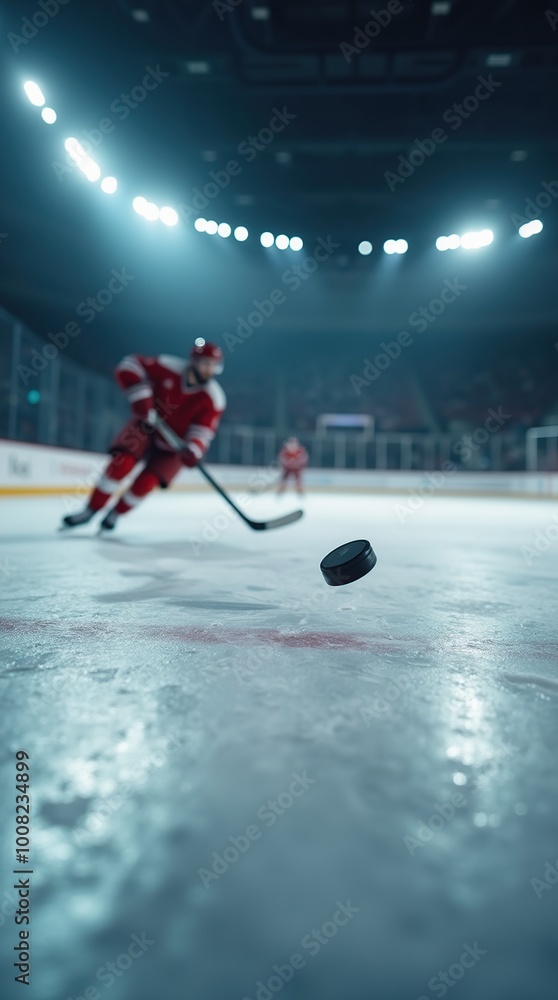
(206, 368)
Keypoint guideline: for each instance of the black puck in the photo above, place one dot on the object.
(348, 563)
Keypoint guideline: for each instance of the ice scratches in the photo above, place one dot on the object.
(546, 684)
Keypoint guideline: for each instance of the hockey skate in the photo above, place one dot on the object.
(109, 521)
(73, 520)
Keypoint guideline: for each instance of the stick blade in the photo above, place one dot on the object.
(277, 522)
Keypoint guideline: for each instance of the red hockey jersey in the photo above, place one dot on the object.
(293, 459)
(192, 411)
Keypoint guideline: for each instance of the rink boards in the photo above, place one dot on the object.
(29, 469)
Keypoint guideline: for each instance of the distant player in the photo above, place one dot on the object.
(293, 458)
(187, 397)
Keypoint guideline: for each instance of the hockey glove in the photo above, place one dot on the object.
(188, 458)
(149, 420)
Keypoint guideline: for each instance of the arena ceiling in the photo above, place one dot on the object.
(360, 90)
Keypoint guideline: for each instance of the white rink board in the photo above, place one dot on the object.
(39, 468)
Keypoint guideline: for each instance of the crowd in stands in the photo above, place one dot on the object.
(427, 397)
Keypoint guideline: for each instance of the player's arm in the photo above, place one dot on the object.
(134, 375)
(201, 434)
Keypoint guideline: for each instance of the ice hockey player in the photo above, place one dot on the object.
(190, 401)
(293, 458)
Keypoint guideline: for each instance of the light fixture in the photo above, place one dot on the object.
(224, 229)
(396, 246)
(365, 247)
(200, 224)
(282, 242)
(109, 185)
(241, 234)
(168, 216)
(211, 227)
(139, 205)
(531, 229)
(474, 241)
(267, 239)
(48, 115)
(34, 93)
(151, 212)
(296, 243)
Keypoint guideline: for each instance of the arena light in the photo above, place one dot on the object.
(91, 169)
(454, 242)
(282, 242)
(211, 227)
(151, 212)
(139, 205)
(34, 93)
(168, 216)
(87, 166)
(442, 243)
(200, 224)
(199, 342)
(531, 229)
(296, 243)
(140, 15)
(74, 148)
(49, 115)
(224, 230)
(365, 247)
(396, 246)
(109, 185)
(474, 241)
(241, 234)
(267, 239)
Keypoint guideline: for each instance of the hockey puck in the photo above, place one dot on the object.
(348, 563)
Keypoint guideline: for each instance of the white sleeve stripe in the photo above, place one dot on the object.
(142, 392)
(195, 448)
(205, 433)
(129, 364)
(136, 385)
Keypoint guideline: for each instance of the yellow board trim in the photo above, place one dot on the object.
(22, 491)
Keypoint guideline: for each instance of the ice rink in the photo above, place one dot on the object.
(247, 783)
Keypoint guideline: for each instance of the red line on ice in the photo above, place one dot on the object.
(219, 635)
(190, 633)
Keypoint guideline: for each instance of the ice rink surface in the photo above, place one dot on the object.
(390, 747)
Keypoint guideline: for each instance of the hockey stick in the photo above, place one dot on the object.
(178, 444)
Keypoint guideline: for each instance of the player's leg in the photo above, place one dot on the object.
(145, 482)
(118, 468)
(283, 481)
(298, 481)
(126, 451)
(160, 470)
